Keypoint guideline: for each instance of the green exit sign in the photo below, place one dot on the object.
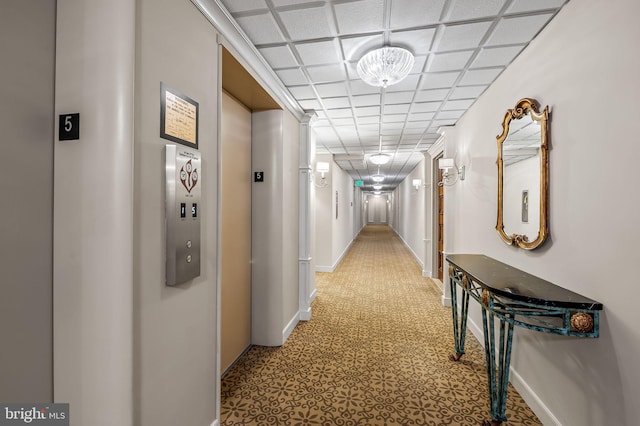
(359, 183)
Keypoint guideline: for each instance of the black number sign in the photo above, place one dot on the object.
(69, 127)
(258, 177)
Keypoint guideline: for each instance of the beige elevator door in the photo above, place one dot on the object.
(236, 231)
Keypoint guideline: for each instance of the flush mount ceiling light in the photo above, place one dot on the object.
(377, 178)
(385, 66)
(377, 187)
(379, 158)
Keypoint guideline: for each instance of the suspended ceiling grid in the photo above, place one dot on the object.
(460, 48)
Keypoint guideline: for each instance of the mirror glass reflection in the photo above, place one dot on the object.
(521, 162)
(523, 175)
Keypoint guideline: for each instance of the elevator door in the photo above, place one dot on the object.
(235, 166)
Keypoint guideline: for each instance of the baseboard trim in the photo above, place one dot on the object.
(289, 328)
(446, 301)
(413, 253)
(532, 399)
(216, 422)
(337, 262)
(426, 273)
(305, 315)
(314, 293)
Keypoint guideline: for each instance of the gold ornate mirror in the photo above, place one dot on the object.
(523, 175)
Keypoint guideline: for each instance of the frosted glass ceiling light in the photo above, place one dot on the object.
(379, 158)
(377, 178)
(385, 66)
(377, 187)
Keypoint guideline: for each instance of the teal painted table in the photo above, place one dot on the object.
(515, 298)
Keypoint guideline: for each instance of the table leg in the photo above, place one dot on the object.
(498, 360)
(459, 322)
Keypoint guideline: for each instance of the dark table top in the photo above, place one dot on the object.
(516, 284)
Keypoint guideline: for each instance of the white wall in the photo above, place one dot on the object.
(27, 49)
(175, 328)
(411, 220)
(274, 227)
(93, 251)
(342, 228)
(584, 65)
(334, 235)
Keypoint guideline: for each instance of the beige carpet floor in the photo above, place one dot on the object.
(374, 353)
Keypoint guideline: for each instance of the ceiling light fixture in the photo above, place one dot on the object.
(377, 187)
(377, 178)
(385, 66)
(379, 158)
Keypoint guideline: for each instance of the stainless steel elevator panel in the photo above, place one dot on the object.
(182, 205)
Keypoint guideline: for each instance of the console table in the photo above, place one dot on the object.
(515, 298)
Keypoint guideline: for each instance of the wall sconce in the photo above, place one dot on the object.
(322, 167)
(417, 183)
(450, 178)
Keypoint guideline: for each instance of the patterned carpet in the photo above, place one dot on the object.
(374, 353)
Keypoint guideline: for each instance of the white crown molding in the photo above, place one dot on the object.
(231, 31)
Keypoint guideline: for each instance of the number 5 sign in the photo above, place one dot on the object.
(69, 127)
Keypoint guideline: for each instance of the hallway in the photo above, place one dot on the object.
(374, 353)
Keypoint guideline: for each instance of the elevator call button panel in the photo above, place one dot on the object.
(182, 205)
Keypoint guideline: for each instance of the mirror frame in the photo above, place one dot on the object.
(526, 106)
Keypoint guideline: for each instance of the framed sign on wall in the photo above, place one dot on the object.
(178, 117)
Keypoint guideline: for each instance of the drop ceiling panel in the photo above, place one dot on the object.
(292, 77)
(246, 5)
(332, 103)
(425, 106)
(474, 9)
(410, 83)
(359, 16)
(310, 104)
(417, 41)
(450, 61)
(339, 113)
(319, 53)
(358, 87)
(466, 92)
(463, 36)
(415, 13)
(399, 97)
(307, 24)
(302, 92)
(372, 119)
(517, 30)
(331, 89)
(279, 57)
(519, 6)
(478, 77)
(421, 116)
(326, 73)
(366, 100)
(396, 108)
(261, 27)
(431, 95)
(354, 48)
(439, 80)
(496, 56)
